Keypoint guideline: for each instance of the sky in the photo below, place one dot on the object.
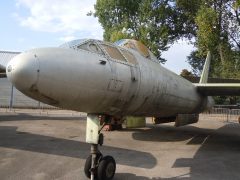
(27, 24)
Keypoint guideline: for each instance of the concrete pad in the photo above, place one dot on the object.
(42, 146)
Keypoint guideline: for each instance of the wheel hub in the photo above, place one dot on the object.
(110, 170)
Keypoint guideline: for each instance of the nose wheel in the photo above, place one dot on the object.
(97, 166)
(104, 169)
(88, 165)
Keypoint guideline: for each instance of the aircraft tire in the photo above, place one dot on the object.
(106, 168)
(88, 164)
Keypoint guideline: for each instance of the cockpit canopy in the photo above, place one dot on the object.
(112, 50)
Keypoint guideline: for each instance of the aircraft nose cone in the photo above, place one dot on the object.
(23, 70)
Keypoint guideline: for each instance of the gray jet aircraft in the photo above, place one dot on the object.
(111, 81)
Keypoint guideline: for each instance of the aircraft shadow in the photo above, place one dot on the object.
(129, 176)
(164, 133)
(217, 158)
(25, 116)
(11, 138)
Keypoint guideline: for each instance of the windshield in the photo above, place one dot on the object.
(72, 44)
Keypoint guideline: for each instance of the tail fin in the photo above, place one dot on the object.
(204, 76)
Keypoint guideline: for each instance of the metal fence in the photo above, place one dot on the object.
(225, 114)
(10, 97)
(6, 56)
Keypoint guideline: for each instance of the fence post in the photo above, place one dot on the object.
(11, 99)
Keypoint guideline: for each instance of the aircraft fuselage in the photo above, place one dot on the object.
(88, 82)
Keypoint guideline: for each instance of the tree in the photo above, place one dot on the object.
(197, 62)
(218, 31)
(237, 5)
(186, 73)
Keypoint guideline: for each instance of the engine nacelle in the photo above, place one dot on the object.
(185, 119)
(180, 119)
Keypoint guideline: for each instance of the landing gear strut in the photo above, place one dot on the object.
(97, 166)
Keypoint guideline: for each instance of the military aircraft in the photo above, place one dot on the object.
(111, 81)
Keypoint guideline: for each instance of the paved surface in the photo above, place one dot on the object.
(46, 146)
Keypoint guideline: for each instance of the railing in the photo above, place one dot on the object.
(225, 114)
(12, 98)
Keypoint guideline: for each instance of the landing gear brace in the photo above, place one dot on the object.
(97, 166)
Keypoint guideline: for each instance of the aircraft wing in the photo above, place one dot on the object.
(219, 89)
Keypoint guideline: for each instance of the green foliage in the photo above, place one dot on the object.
(196, 61)
(186, 73)
(226, 100)
(220, 99)
(207, 34)
(218, 24)
(237, 5)
(114, 15)
(187, 10)
(117, 35)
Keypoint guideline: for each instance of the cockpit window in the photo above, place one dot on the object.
(85, 44)
(135, 45)
(113, 52)
(129, 56)
(90, 46)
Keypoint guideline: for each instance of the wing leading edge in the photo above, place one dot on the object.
(218, 89)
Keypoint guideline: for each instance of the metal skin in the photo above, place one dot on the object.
(89, 82)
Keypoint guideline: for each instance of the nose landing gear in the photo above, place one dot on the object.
(97, 166)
